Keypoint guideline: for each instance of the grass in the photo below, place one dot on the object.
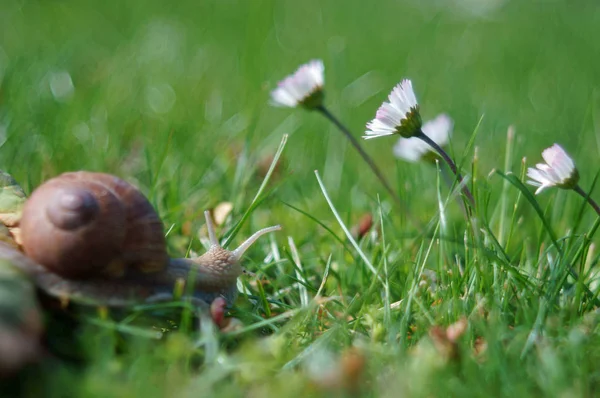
(173, 98)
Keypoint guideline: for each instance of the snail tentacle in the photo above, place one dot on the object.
(241, 249)
(210, 226)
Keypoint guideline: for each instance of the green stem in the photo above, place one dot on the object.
(451, 164)
(588, 198)
(449, 179)
(325, 112)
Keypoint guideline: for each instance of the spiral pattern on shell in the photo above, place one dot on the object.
(92, 225)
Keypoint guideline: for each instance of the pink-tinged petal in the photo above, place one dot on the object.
(388, 115)
(402, 98)
(536, 175)
(304, 83)
(397, 116)
(558, 171)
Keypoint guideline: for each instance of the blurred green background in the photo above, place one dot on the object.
(174, 96)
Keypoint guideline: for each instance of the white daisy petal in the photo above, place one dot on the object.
(400, 115)
(535, 175)
(304, 87)
(439, 129)
(410, 149)
(558, 171)
(282, 97)
(541, 188)
(415, 149)
(388, 115)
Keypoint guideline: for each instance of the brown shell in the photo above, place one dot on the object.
(88, 225)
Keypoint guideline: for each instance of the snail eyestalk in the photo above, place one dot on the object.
(241, 249)
(210, 226)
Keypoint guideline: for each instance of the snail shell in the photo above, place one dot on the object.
(92, 225)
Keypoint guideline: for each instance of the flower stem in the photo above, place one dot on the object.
(449, 179)
(587, 198)
(451, 164)
(361, 151)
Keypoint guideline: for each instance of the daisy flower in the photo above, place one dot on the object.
(558, 171)
(303, 88)
(398, 116)
(415, 149)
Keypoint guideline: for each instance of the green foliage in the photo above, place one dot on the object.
(174, 98)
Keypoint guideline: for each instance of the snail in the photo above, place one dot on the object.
(93, 237)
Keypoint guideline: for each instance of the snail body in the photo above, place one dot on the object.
(91, 236)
